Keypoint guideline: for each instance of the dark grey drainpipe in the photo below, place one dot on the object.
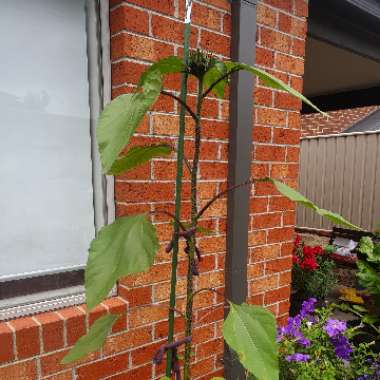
(243, 48)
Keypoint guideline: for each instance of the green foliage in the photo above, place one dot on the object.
(368, 277)
(121, 117)
(139, 155)
(167, 65)
(124, 247)
(369, 268)
(295, 196)
(213, 75)
(251, 331)
(370, 249)
(329, 354)
(93, 340)
(316, 283)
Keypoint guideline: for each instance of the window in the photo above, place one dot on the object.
(54, 79)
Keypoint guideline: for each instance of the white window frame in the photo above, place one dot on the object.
(99, 76)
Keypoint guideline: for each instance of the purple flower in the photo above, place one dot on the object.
(308, 307)
(297, 357)
(342, 346)
(334, 327)
(304, 341)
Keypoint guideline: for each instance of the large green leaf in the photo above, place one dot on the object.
(212, 75)
(126, 246)
(93, 340)
(168, 65)
(138, 155)
(251, 332)
(271, 81)
(121, 117)
(295, 196)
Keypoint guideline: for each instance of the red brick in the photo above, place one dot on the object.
(6, 346)
(127, 340)
(116, 305)
(289, 218)
(75, 324)
(136, 296)
(227, 24)
(276, 295)
(287, 249)
(202, 366)
(284, 171)
(205, 16)
(283, 307)
(259, 170)
(256, 270)
(292, 25)
(285, 5)
(270, 117)
(286, 136)
(280, 204)
(289, 64)
(51, 363)
(52, 331)
(215, 129)
(264, 57)
(280, 234)
(259, 285)
(209, 348)
(144, 372)
(301, 8)
(216, 43)
(298, 48)
(62, 376)
(142, 192)
(127, 72)
(256, 238)
(103, 368)
(258, 204)
(263, 96)
(147, 315)
(269, 153)
(127, 45)
(161, 328)
(213, 170)
(266, 16)
(285, 278)
(287, 101)
(292, 154)
(129, 18)
(169, 30)
(166, 7)
(266, 252)
(278, 265)
(19, 371)
(266, 220)
(275, 40)
(27, 337)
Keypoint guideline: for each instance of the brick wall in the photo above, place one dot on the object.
(143, 31)
(314, 124)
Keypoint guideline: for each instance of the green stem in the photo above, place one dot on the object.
(194, 213)
(178, 194)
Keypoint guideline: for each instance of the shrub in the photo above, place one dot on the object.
(315, 345)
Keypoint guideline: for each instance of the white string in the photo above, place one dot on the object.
(189, 4)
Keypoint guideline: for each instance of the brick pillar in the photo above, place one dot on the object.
(280, 50)
(142, 31)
